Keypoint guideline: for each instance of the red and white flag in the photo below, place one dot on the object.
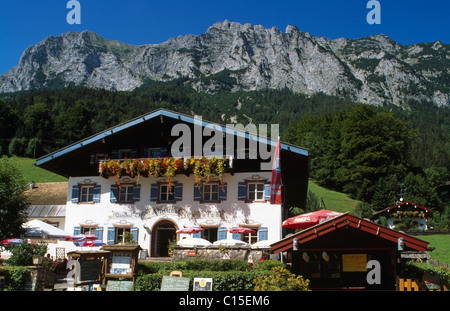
(275, 185)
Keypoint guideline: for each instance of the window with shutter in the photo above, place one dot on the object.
(111, 235)
(97, 192)
(221, 233)
(262, 233)
(86, 193)
(75, 193)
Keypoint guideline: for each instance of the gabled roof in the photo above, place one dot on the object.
(401, 206)
(345, 221)
(153, 115)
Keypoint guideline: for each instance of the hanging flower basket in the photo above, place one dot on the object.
(202, 168)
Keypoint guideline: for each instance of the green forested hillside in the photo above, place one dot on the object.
(361, 150)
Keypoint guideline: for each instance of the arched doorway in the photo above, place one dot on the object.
(162, 232)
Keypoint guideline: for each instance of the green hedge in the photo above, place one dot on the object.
(201, 265)
(15, 277)
(222, 280)
(227, 275)
(415, 270)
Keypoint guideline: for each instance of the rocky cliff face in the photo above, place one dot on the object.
(233, 56)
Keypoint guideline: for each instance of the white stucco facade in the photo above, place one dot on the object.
(144, 214)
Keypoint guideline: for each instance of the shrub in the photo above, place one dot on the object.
(222, 280)
(415, 270)
(15, 277)
(196, 265)
(269, 264)
(280, 279)
(22, 254)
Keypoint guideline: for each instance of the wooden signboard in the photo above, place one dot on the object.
(89, 270)
(120, 263)
(117, 285)
(173, 283)
(202, 284)
(354, 262)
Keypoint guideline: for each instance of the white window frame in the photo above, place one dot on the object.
(86, 193)
(123, 230)
(88, 230)
(125, 193)
(255, 191)
(166, 195)
(210, 194)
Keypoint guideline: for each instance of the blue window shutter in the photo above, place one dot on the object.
(114, 154)
(163, 152)
(92, 159)
(114, 193)
(136, 192)
(197, 235)
(236, 236)
(242, 191)
(99, 233)
(154, 191)
(133, 153)
(76, 230)
(221, 233)
(146, 153)
(135, 231)
(223, 192)
(197, 192)
(262, 234)
(178, 191)
(75, 193)
(267, 190)
(111, 235)
(97, 191)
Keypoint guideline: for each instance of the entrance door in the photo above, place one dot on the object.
(162, 233)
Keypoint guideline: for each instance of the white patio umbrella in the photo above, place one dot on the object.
(230, 242)
(37, 227)
(263, 244)
(191, 242)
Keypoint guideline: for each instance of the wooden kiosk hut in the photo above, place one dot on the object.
(338, 253)
(89, 266)
(120, 265)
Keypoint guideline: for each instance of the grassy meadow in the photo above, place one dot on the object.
(33, 173)
(333, 200)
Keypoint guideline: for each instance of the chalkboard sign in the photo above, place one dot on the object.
(202, 284)
(116, 285)
(89, 270)
(173, 283)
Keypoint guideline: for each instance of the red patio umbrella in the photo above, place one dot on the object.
(93, 243)
(309, 219)
(190, 230)
(80, 237)
(241, 230)
(11, 241)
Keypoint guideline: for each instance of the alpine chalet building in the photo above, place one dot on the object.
(136, 181)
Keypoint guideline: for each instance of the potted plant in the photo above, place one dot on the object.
(171, 246)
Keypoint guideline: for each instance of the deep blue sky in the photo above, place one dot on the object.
(26, 22)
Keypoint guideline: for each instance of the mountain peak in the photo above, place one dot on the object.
(237, 56)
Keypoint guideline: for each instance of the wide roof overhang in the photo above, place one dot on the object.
(349, 221)
(55, 161)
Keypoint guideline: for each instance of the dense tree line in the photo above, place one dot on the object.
(368, 152)
(362, 150)
(35, 123)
